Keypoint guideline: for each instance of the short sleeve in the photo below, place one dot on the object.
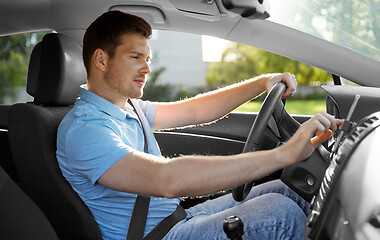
(149, 110)
(93, 147)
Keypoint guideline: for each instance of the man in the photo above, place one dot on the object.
(101, 146)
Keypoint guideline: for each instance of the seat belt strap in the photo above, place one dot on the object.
(140, 211)
(165, 225)
(138, 220)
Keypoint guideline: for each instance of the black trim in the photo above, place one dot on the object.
(337, 80)
(165, 225)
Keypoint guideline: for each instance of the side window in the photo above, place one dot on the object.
(178, 70)
(15, 52)
(184, 65)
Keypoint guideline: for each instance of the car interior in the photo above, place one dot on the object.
(54, 76)
(35, 198)
(20, 216)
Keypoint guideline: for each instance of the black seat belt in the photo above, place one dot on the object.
(140, 211)
(138, 220)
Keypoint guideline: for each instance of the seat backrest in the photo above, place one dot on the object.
(4, 109)
(20, 218)
(6, 160)
(55, 74)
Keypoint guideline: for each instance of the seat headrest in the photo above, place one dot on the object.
(56, 71)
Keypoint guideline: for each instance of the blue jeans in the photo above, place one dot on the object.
(270, 211)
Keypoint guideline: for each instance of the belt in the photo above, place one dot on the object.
(165, 225)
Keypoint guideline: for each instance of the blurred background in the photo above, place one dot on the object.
(186, 64)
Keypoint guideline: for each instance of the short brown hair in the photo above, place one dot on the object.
(106, 31)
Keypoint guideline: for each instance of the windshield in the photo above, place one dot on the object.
(353, 24)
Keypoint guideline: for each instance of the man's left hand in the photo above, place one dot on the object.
(288, 78)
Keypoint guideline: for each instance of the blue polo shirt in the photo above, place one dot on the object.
(92, 137)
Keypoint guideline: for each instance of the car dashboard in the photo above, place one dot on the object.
(347, 205)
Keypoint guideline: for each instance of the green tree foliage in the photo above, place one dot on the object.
(14, 58)
(351, 23)
(184, 92)
(305, 74)
(12, 74)
(154, 91)
(240, 62)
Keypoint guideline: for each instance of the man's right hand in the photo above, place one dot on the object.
(308, 137)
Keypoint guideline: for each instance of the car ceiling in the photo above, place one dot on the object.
(72, 17)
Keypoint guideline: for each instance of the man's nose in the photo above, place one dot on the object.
(146, 69)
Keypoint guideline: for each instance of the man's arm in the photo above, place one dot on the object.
(198, 175)
(213, 105)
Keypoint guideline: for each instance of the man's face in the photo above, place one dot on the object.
(127, 71)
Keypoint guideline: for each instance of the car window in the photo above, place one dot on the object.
(15, 52)
(185, 64)
(349, 23)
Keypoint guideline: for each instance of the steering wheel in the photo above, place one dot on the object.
(285, 124)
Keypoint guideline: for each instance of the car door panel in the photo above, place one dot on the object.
(174, 144)
(223, 137)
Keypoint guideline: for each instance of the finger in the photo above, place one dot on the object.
(332, 122)
(317, 124)
(291, 84)
(335, 123)
(327, 120)
(319, 128)
(320, 138)
(287, 95)
(339, 123)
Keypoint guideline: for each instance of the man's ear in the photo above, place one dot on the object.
(100, 59)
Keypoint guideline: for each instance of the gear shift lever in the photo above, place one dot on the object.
(233, 227)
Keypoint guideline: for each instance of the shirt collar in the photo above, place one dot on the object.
(104, 105)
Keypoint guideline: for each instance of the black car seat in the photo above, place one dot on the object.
(6, 160)
(55, 74)
(20, 218)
